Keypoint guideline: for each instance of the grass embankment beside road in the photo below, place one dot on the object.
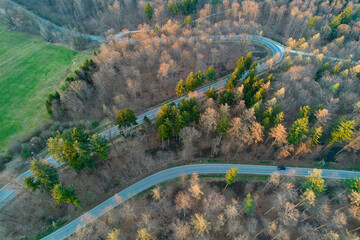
(30, 69)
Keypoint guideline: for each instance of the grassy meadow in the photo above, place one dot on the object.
(30, 69)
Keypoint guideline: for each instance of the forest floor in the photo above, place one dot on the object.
(212, 187)
(30, 69)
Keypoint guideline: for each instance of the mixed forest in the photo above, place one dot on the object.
(303, 111)
(200, 208)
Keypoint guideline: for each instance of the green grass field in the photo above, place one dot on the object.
(30, 69)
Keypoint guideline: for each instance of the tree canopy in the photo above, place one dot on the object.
(126, 118)
(230, 176)
(65, 194)
(77, 149)
(44, 176)
(148, 11)
(343, 131)
(248, 204)
(315, 182)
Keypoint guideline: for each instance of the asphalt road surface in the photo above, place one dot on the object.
(277, 53)
(8, 192)
(176, 172)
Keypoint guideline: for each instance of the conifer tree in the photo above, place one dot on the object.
(210, 74)
(315, 182)
(126, 118)
(173, 8)
(44, 176)
(65, 194)
(180, 88)
(315, 136)
(343, 131)
(165, 131)
(300, 127)
(248, 60)
(74, 149)
(248, 204)
(148, 11)
(190, 83)
(199, 78)
(210, 93)
(100, 146)
(312, 21)
(230, 176)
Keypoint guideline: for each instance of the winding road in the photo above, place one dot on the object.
(277, 53)
(8, 192)
(176, 172)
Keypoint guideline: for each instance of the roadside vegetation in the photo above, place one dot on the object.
(282, 207)
(304, 111)
(242, 123)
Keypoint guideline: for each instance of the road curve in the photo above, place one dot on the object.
(176, 172)
(8, 192)
(55, 26)
(277, 50)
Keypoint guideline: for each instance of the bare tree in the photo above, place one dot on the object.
(163, 74)
(182, 201)
(354, 143)
(250, 9)
(231, 212)
(224, 109)
(195, 190)
(279, 134)
(339, 219)
(200, 224)
(214, 203)
(274, 179)
(322, 117)
(355, 198)
(289, 215)
(156, 194)
(181, 229)
(209, 120)
(189, 135)
(256, 131)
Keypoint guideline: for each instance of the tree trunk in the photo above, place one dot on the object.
(265, 185)
(270, 147)
(327, 224)
(116, 150)
(355, 229)
(268, 210)
(236, 152)
(340, 151)
(258, 233)
(108, 163)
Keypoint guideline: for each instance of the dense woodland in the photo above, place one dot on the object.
(199, 208)
(278, 19)
(304, 111)
(329, 28)
(141, 76)
(249, 123)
